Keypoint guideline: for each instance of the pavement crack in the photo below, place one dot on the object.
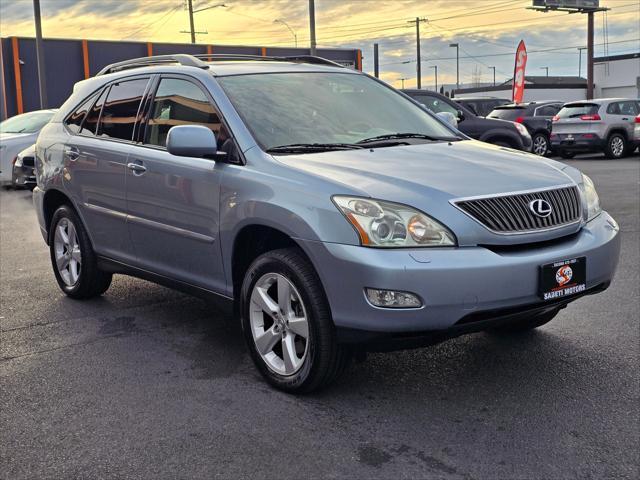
(61, 347)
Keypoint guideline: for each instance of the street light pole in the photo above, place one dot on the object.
(295, 36)
(435, 67)
(580, 49)
(494, 75)
(42, 79)
(402, 80)
(312, 26)
(545, 68)
(457, 63)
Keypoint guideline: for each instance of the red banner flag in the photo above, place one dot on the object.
(517, 92)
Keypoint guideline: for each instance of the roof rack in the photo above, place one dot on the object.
(292, 58)
(182, 59)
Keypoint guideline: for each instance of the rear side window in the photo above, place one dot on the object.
(120, 111)
(74, 121)
(181, 102)
(435, 104)
(577, 110)
(622, 108)
(546, 111)
(90, 125)
(510, 113)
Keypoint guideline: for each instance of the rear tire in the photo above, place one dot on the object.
(616, 146)
(72, 257)
(525, 324)
(268, 318)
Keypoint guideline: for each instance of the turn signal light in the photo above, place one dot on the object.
(593, 117)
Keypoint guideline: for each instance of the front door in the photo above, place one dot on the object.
(173, 201)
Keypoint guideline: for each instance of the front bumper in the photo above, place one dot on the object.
(24, 176)
(453, 282)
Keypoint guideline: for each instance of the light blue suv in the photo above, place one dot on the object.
(333, 213)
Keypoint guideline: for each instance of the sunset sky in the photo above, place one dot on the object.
(487, 31)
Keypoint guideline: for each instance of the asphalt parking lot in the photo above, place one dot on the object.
(150, 383)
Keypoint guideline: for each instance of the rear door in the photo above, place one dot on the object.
(622, 115)
(95, 162)
(173, 201)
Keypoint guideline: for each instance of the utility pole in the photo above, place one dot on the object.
(191, 26)
(418, 63)
(580, 49)
(376, 64)
(312, 26)
(545, 68)
(457, 45)
(590, 11)
(42, 79)
(589, 55)
(494, 75)
(435, 67)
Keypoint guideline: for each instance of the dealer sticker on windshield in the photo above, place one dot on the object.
(563, 278)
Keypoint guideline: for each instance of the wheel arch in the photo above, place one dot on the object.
(500, 134)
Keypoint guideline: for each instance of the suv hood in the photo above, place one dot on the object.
(414, 173)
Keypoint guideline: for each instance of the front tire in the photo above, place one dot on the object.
(72, 257)
(616, 146)
(287, 323)
(540, 144)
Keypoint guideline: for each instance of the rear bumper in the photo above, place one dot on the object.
(453, 283)
(578, 144)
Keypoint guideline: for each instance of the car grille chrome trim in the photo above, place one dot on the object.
(509, 213)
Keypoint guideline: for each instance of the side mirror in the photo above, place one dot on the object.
(449, 118)
(192, 141)
(461, 116)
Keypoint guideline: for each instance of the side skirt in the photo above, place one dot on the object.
(224, 303)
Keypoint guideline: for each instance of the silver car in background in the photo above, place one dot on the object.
(16, 134)
(332, 212)
(601, 125)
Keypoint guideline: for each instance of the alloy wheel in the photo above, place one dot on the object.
(279, 324)
(67, 252)
(540, 146)
(617, 146)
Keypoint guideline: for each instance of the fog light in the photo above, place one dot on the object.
(392, 298)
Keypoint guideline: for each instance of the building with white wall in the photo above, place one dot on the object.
(536, 88)
(617, 76)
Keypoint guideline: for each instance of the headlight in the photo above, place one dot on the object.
(522, 129)
(591, 197)
(386, 224)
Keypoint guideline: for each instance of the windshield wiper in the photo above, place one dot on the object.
(392, 136)
(312, 147)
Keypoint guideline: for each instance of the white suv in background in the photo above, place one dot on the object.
(601, 125)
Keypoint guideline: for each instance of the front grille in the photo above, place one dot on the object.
(511, 213)
(28, 161)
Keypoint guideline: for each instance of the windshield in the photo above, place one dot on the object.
(324, 108)
(577, 110)
(26, 123)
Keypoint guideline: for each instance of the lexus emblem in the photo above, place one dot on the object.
(540, 208)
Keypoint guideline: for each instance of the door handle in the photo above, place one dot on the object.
(72, 153)
(136, 168)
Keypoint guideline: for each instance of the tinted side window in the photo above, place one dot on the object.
(547, 111)
(181, 102)
(120, 111)
(90, 125)
(74, 121)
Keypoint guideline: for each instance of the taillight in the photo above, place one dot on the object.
(593, 117)
(555, 118)
(638, 119)
(519, 120)
(588, 135)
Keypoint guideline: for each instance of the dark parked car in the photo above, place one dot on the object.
(482, 106)
(498, 132)
(536, 116)
(24, 168)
